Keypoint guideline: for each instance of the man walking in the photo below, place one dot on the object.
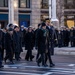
(50, 48)
(1, 49)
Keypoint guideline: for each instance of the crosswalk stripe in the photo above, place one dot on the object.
(54, 68)
(18, 73)
(35, 70)
(71, 65)
(48, 73)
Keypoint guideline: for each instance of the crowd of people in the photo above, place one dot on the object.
(65, 37)
(44, 39)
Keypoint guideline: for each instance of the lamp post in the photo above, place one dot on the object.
(13, 11)
(50, 9)
(52, 13)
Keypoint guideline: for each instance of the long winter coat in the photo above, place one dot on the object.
(17, 42)
(9, 44)
(52, 36)
(41, 41)
(29, 41)
(0, 39)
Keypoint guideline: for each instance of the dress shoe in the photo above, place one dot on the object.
(38, 63)
(12, 62)
(27, 59)
(45, 65)
(1, 66)
(52, 65)
(31, 60)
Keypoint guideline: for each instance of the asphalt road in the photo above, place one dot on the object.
(64, 65)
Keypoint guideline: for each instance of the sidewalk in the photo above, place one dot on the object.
(59, 51)
(64, 51)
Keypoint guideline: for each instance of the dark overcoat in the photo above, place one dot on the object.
(9, 45)
(52, 37)
(0, 40)
(17, 41)
(59, 37)
(29, 41)
(41, 41)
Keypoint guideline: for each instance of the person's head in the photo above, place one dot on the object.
(10, 31)
(51, 24)
(22, 27)
(16, 28)
(4, 30)
(47, 21)
(43, 26)
(71, 28)
(39, 25)
(30, 29)
(11, 25)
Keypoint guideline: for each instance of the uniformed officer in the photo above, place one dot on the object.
(52, 35)
(51, 42)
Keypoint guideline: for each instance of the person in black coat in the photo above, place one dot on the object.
(29, 44)
(17, 42)
(52, 35)
(23, 33)
(9, 45)
(65, 37)
(72, 37)
(52, 38)
(59, 37)
(36, 32)
(3, 41)
(41, 44)
(1, 49)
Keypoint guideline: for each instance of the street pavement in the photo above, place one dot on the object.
(64, 65)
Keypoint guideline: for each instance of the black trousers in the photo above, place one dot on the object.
(17, 55)
(2, 53)
(37, 56)
(0, 59)
(48, 56)
(41, 58)
(9, 55)
(28, 55)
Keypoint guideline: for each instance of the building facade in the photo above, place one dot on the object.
(32, 12)
(66, 12)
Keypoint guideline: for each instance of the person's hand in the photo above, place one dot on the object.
(0, 46)
(55, 39)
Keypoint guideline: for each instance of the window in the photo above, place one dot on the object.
(44, 4)
(4, 3)
(69, 4)
(69, 20)
(24, 3)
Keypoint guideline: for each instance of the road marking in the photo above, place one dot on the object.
(14, 66)
(48, 73)
(71, 65)
(4, 72)
(49, 70)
